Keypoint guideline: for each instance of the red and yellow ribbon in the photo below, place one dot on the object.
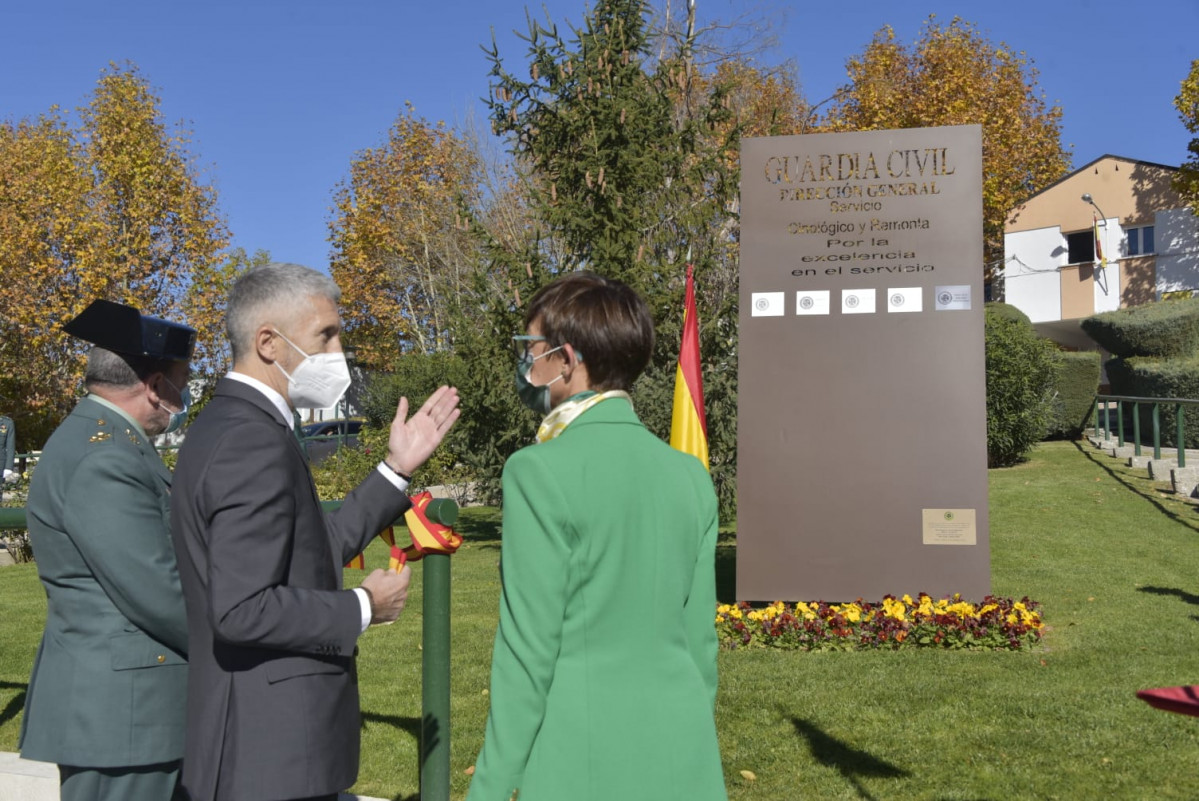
(427, 537)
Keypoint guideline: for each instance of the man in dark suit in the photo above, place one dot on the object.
(273, 696)
(108, 691)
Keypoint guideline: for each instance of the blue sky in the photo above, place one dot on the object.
(280, 95)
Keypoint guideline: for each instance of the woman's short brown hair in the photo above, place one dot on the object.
(603, 319)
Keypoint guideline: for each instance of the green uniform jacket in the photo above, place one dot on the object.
(109, 684)
(603, 677)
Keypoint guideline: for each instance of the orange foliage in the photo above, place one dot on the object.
(111, 209)
(400, 246)
(953, 76)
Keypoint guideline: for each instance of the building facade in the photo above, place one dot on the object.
(1111, 234)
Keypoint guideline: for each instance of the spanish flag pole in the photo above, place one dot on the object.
(688, 424)
(1100, 262)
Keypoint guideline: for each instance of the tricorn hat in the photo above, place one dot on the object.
(124, 329)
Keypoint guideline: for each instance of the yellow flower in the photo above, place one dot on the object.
(962, 609)
(852, 612)
(894, 609)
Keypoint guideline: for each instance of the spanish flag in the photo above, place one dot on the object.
(688, 425)
(1099, 260)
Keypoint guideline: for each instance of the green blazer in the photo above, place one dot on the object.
(109, 683)
(603, 676)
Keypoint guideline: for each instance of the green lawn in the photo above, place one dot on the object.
(1113, 559)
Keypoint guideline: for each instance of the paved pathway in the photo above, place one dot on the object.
(24, 780)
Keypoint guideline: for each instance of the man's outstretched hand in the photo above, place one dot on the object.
(414, 439)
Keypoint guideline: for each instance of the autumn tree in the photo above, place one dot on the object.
(48, 260)
(953, 76)
(204, 309)
(1187, 103)
(401, 250)
(112, 208)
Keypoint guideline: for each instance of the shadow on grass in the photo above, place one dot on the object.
(480, 526)
(411, 725)
(424, 731)
(479, 529)
(16, 704)
(1149, 495)
(1182, 595)
(852, 763)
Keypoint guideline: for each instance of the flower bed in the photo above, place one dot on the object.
(995, 624)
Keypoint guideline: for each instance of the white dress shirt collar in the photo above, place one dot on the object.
(272, 395)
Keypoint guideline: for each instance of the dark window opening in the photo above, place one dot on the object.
(1080, 247)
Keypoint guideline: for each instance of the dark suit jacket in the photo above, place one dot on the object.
(272, 696)
(110, 677)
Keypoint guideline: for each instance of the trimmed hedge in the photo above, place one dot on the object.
(1009, 311)
(1166, 330)
(1075, 382)
(1020, 372)
(1144, 377)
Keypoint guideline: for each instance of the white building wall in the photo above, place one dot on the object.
(1031, 279)
(1107, 285)
(1176, 240)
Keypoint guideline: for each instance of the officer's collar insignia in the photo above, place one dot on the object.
(100, 436)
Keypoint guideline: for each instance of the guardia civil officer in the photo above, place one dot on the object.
(107, 696)
(8, 447)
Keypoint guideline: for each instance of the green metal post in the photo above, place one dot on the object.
(1136, 427)
(1096, 416)
(435, 660)
(1120, 423)
(1181, 434)
(435, 684)
(1157, 431)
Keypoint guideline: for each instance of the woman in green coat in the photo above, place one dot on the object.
(603, 676)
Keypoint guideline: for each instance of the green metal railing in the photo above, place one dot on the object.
(435, 653)
(1105, 403)
(12, 518)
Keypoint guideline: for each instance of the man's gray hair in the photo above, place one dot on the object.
(271, 293)
(120, 370)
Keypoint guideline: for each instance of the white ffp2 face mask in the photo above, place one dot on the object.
(319, 381)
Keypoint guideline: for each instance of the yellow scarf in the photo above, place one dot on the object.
(565, 412)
